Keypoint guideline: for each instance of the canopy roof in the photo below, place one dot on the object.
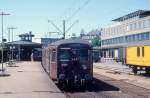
(23, 43)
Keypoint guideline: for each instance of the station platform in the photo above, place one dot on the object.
(28, 80)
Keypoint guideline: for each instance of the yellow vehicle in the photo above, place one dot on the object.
(138, 57)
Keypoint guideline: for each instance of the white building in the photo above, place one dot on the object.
(91, 35)
(132, 28)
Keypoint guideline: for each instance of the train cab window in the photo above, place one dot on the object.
(53, 56)
(82, 54)
(143, 51)
(65, 54)
(138, 51)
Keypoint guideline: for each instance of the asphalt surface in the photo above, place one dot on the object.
(105, 87)
(112, 81)
(28, 80)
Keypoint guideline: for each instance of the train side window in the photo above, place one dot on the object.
(143, 51)
(53, 56)
(138, 51)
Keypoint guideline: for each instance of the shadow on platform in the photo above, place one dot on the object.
(96, 86)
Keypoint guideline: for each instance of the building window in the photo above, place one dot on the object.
(144, 23)
(120, 31)
(134, 26)
(147, 35)
(133, 36)
(131, 27)
(149, 23)
(139, 25)
(142, 36)
(136, 37)
(139, 37)
(127, 28)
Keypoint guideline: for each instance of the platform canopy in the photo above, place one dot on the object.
(23, 43)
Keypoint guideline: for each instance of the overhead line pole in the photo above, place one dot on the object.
(12, 28)
(2, 56)
(64, 29)
(8, 34)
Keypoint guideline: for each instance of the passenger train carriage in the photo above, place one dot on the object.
(69, 61)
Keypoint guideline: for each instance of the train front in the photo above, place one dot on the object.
(75, 64)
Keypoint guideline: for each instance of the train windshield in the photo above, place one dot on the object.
(68, 54)
(81, 54)
(65, 54)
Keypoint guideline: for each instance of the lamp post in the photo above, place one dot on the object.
(12, 47)
(2, 57)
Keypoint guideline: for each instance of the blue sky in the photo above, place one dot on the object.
(33, 15)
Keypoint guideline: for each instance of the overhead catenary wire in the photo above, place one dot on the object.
(78, 9)
(63, 15)
(68, 19)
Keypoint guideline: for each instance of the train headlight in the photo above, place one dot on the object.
(88, 77)
(84, 67)
(61, 76)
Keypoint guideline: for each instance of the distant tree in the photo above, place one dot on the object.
(82, 33)
(96, 41)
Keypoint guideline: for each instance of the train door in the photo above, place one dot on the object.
(49, 60)
(53, 63)
(64, 60)
(90, 59)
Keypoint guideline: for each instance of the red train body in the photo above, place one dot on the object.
(69, 61)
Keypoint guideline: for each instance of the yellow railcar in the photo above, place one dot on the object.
(138, 57)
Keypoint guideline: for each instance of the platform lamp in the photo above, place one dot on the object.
(12, 64)
(2, 71)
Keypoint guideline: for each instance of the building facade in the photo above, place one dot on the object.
(129, 29)
(91, 35)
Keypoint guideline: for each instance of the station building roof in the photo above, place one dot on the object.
(140, 13)
(23, 43)
(26, 34)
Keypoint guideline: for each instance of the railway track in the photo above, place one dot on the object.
(105, 87)
(116, 70)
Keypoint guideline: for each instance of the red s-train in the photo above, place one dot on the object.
(69, 61)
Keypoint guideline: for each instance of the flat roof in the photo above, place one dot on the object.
(140, 13)
(23, 43)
